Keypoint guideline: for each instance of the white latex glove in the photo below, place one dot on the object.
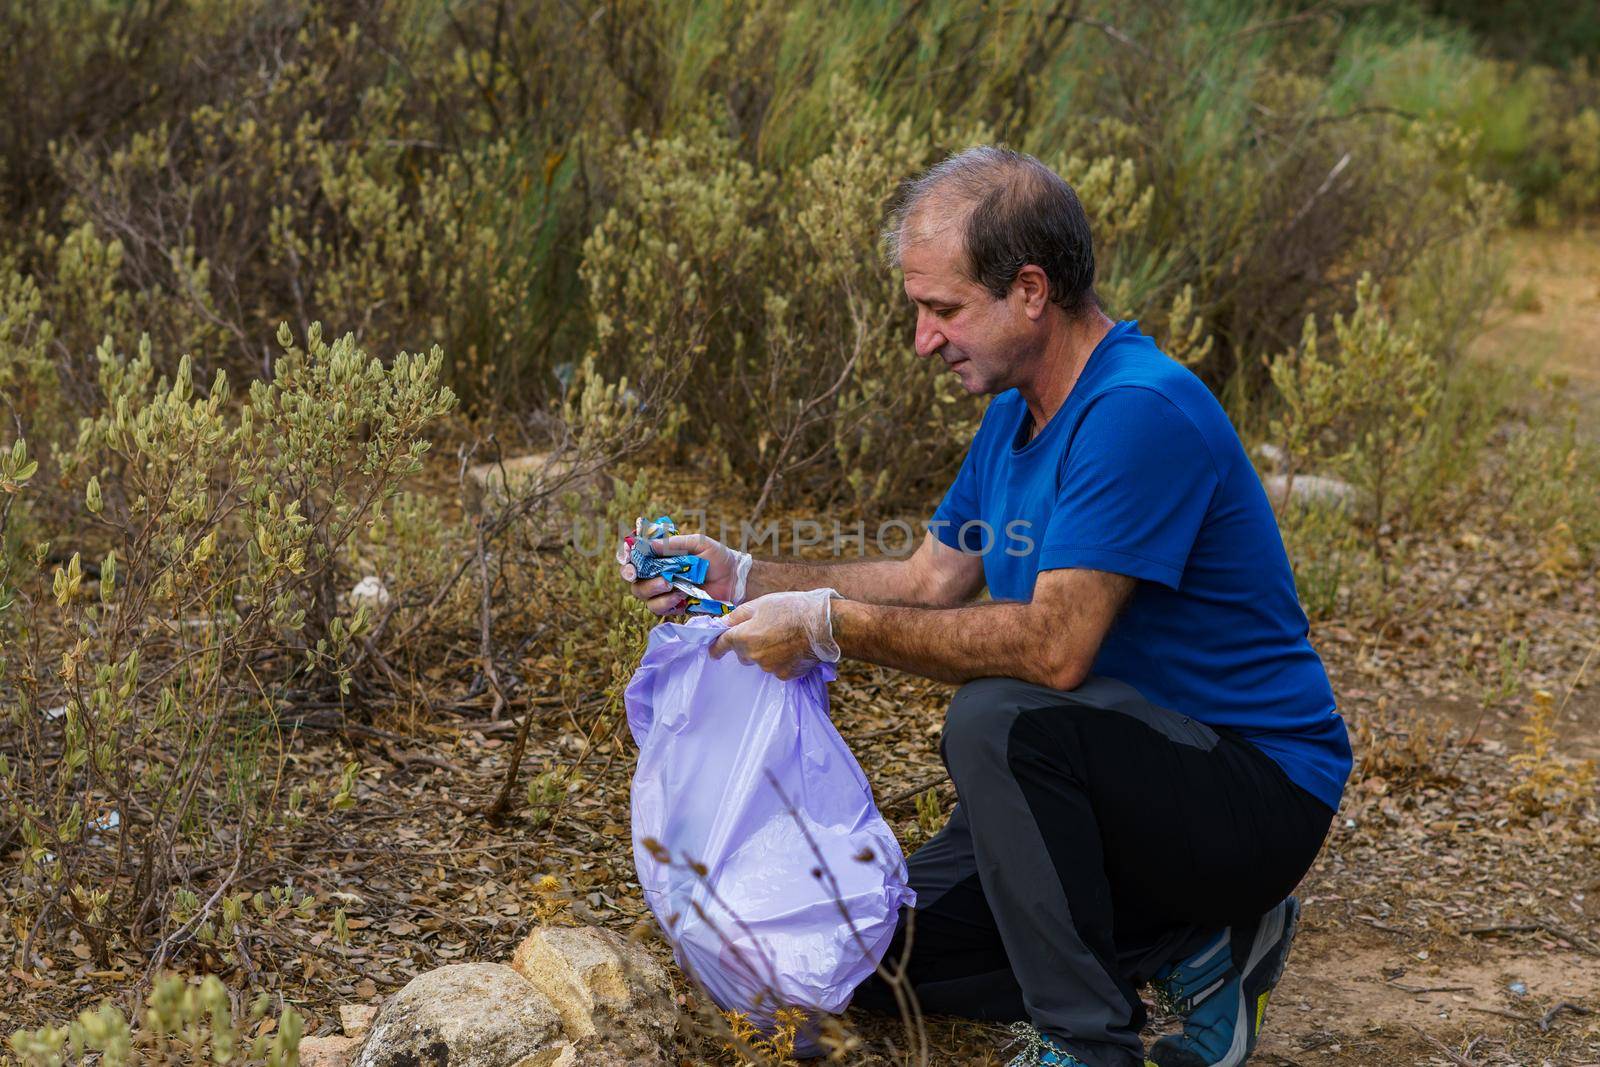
(786, 634)
(726, 571)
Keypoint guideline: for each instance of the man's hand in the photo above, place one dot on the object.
(726, 570)
(786, 634)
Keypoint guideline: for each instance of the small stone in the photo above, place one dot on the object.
(328, 1051)
(356, 1019)
(371, 592)
(1270, 454)
(515, 479)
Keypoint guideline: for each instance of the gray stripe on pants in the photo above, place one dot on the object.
(1065, 987)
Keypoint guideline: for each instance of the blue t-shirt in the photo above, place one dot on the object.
(1142, 474)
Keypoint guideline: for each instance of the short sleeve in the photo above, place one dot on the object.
(1135, 487)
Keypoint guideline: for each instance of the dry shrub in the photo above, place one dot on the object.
(1550, 786)
(1326, 552)
(304, 170)
(800, 379)
(1403, 751)
(1362, 408)
(144, 677)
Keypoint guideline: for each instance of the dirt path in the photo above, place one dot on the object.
(1366, 996)
(1551, 320)
(1384, 972)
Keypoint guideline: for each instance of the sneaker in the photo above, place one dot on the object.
(1222, 990)
(1039, 1050)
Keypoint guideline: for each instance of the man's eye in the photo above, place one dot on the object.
(945, 313)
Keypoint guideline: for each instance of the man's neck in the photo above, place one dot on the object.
(1060, 366)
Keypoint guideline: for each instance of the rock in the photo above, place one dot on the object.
(537, 472)
(572, 997)
(467, 1015)
(611, 994)
(1309, 489)
(329, 1051)
(1270, 454)
(356, 1019)
(371, 592)
(557, 519)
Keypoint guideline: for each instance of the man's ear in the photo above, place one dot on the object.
(1034, 287)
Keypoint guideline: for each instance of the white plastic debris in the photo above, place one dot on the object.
(55, 712)
(371, 592)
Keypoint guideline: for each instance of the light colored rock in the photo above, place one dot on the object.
(371, 592)
(611, 994)
(1308, 489)
(356, 1019)
(534, 473)
(466, 1015)
(1270, 454)
(331, 1050)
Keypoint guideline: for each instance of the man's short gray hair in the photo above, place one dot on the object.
(1013, 210)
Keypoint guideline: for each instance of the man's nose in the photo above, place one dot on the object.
(929, 337)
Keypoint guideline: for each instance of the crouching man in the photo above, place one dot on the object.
(1144, 746)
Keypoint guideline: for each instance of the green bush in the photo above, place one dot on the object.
(1531, 127)
(180, 1022)
(788, 331)
(142, 673)
(419, 174)
(1548, 476)
(1362, 409)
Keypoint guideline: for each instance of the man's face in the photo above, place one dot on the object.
(986, 342)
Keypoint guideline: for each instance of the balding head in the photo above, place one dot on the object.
(1009, 210)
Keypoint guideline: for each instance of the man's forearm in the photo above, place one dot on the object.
(1004, 639)
(875, 581)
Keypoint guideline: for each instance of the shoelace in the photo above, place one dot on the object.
(1033, 1042)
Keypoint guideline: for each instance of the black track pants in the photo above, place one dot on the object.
(1096, 838)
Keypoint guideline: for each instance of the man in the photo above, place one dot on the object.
(1145, 748)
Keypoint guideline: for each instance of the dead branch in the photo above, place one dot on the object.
(497, 810)
(1576, 940)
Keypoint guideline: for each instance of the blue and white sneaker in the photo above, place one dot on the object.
(1039, 1051)
(1221, 992)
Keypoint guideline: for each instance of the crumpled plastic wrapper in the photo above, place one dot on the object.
(683, 573)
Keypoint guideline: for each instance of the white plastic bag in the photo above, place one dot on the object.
(757, 843)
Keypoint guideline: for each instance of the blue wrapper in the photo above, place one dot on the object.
(685, 573)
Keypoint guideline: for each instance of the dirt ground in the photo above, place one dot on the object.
(1383, 972)
(1551, 323)
(1442, 924)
